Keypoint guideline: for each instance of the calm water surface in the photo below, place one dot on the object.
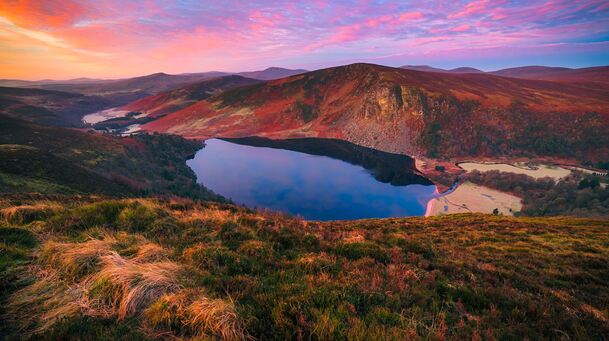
(314, 187)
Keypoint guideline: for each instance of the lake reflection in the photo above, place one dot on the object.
(315, 187)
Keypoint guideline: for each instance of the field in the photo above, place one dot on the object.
(538, 172)
(470, 198)
(89, 268)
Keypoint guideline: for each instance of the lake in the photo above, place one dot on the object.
(318, 179)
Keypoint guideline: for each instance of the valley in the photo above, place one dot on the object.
(358, 202)
(304, 170)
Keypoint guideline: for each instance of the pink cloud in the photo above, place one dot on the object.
(473, 7)
(461, 28)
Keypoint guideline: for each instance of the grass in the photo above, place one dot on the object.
(175, 268)
(54, 160)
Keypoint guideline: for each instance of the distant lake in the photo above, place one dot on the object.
(318, 179)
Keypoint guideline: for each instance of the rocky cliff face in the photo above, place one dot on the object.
(402, 111)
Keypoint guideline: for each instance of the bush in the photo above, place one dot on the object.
(18, 237)
(101, 214)
(136, 217)
(354, 251)
(25, 214)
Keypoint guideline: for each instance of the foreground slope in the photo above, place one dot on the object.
(409, 112)
(148, 269)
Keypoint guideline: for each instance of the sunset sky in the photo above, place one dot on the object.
(108, 39)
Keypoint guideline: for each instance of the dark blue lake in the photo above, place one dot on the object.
(310, 184)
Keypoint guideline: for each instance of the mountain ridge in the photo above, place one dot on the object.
(388, 108)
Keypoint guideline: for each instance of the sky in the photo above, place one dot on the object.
(62, 39)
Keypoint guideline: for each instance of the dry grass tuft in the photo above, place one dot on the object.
(217, 317)
(133, 284)
(73, 261)
(192, 314)
(150, 252)
(25, 214)
(215, 215)
(38, 306)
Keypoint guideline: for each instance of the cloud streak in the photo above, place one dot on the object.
(61, 39)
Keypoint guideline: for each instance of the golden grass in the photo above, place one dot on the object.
(40, 305)
(191, 313)
(135, 284)
(74, 261)
(24, 214)
(93, 279)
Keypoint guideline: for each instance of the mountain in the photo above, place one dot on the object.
(427, 68)
(29, 84)
(104, 94)
(465, 70)
(271, 73)
(598, 74)
(173, 100)
(406, 111)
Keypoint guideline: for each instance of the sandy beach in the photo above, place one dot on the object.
(469, 198)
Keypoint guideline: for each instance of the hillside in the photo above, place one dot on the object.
(53, 160)
(271, 73)
(428, 68)
(411, 112)
(49, 107)
(598, 74)
(85, 268)
(176, 99)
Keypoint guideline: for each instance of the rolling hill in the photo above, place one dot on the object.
(49, 106)
(428, 68)
(598, 74)
(176, 99)
(54, 160)
(407, 111)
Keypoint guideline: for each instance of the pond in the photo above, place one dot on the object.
(318, 179)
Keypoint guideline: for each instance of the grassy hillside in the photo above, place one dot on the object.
(148, 269)
(56, 108)
(45, 159)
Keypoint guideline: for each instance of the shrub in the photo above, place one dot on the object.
(233, 234)
(17, 236)
(25, 214)
(359, 250)
(191, 314)
(102, 214)
(136, 217)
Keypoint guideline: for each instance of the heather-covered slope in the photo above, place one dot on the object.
(49, 107)
(176, 99)
(598, 74)
(85, 268)
(412, 112)
(42, 159)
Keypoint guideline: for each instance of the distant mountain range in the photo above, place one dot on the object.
(413, 109)
(588, 74)
(64, 103)
(151, 82)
